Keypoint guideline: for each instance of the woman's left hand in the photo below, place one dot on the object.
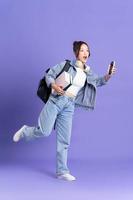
(113, 71)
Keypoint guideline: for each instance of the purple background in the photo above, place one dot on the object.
(37, 34)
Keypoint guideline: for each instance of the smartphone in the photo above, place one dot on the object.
(112, 64)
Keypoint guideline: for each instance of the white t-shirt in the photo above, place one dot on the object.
(78, 82)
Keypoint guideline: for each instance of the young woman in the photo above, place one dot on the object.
(59, 108)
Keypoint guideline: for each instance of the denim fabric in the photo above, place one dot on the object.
(87, 95)
(58, 109)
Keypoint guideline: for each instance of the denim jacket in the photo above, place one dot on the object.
(87, 94)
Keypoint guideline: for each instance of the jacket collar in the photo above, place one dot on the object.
(87, 68)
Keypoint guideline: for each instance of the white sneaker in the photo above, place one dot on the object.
(19, 134)
(67, 177)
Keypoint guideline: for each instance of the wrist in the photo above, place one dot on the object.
(107, 77)
(53, 85)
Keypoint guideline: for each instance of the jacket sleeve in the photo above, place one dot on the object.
(100, 81)
(53, 72)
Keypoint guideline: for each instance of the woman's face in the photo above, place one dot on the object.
(83, 53)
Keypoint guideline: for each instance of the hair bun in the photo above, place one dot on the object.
(75, 43)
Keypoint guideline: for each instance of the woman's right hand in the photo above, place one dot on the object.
(58, 89)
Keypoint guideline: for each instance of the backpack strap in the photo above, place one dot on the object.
(66, 67)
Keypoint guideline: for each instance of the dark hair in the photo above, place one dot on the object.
(77, 45)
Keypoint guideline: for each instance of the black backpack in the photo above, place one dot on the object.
(43, 91)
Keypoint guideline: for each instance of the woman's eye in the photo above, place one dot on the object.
(84, 50)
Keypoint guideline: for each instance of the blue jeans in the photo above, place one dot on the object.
(58, 110)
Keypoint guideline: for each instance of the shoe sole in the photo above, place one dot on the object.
(63, 178)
